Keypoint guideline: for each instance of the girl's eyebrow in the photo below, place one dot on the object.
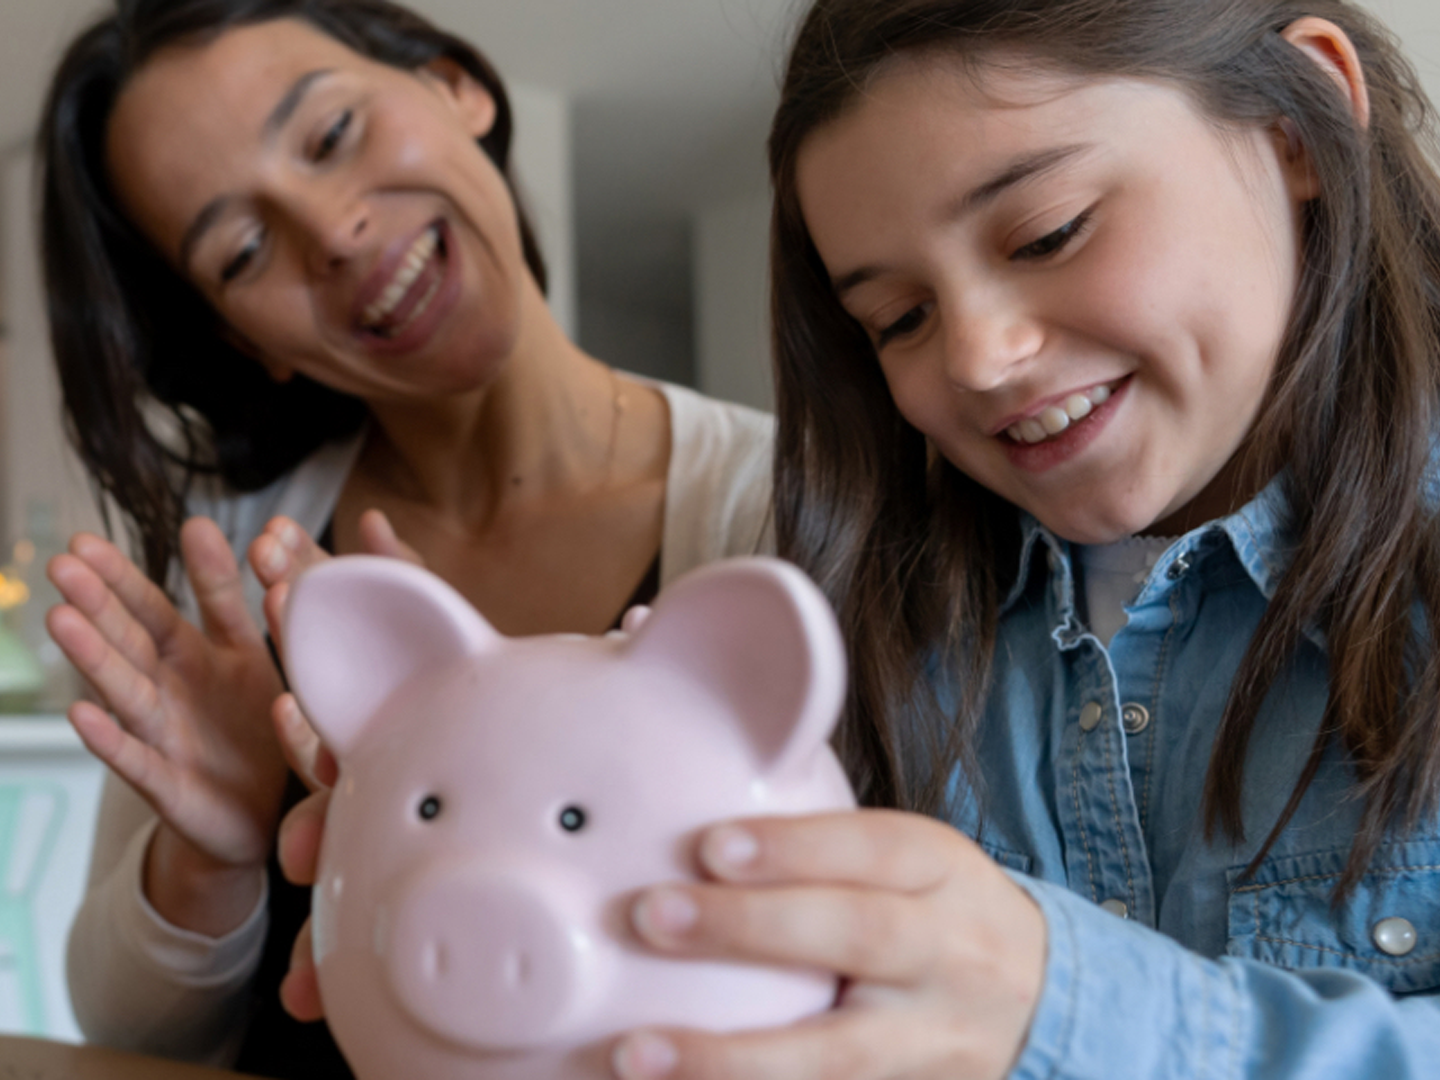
(1017, 172)
(279, 116)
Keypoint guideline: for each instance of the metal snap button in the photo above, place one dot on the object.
(1117, 908)
(1090, 716)
(1178, 567)
(1395, 936)
(1136, 718)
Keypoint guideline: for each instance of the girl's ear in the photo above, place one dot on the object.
(472, 102)
(1331, 48)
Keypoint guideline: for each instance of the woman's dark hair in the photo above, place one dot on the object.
(917, 557)
(130, 335)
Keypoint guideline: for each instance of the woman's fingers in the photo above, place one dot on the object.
(130, 758)
(378, 537)
(86, 592)
(282, 552)
(141, 597)
(215, 577)
(298, 845)
(130, 693)
(300, 989)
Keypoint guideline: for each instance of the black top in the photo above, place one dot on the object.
(276, 1044)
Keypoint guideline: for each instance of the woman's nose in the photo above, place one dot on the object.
(335, 229)
(986, 341)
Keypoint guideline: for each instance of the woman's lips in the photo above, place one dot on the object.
(406, 300)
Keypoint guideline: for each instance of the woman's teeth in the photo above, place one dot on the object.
(410, 268)
(1054, 419)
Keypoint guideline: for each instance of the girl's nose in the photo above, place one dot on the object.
(986, 341)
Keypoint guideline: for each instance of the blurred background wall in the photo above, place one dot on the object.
(640, 148)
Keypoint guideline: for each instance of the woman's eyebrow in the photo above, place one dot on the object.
(1014, 174)
(279, 116)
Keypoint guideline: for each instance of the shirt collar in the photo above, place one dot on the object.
(1257, 532)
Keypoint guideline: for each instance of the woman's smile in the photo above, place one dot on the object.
(336, 211)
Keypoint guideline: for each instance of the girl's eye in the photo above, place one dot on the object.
(332, 137)
(908, 323)
(243, 258)
(1053, 243)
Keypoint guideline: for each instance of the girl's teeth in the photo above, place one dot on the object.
(1078, 406)
(1054, 419)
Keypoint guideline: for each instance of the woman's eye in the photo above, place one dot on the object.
(908, 323)
(243, 258)
(1052, 243)
(333, 135)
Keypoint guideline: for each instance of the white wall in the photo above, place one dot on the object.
(732, 354)
(542, 164)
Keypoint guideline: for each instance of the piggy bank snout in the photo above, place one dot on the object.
(485, 959)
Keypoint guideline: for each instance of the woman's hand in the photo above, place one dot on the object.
(278, 556)
(942, 955)
(182, 717)
(299, 847)
(283, 551)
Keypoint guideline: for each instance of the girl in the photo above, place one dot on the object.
(1108, 335)
(288, 276)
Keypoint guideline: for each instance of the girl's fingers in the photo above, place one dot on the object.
(840, 1045)
(215, 577)
(873, 935)
(875, 849)
(378, 537)
(300, 990)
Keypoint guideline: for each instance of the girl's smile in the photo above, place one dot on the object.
(1076, 290)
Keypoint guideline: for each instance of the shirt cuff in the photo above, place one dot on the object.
(192, 958)
(1121, 1000)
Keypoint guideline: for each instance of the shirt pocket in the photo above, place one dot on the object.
(1011, 860)
(1283, 915)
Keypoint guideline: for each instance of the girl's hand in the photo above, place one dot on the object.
(942, 955)
(182, 717)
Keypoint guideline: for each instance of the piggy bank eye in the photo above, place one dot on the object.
(572, 819)
(430, 808)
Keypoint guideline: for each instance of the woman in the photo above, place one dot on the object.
(288, 276)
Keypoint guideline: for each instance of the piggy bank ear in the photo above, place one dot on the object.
(758, 634)
(358, 626)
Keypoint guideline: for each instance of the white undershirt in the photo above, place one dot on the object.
(1111, 575)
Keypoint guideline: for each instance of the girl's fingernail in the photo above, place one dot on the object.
(290, 536)
(664, 913)
(644, 1056)
(729, 847)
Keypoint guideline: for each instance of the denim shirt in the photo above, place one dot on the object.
(1165, 959)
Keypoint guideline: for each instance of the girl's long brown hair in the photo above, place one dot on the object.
(916, 557)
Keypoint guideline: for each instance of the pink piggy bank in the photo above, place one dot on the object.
(501, 800)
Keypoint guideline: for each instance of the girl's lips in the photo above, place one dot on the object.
(1041, 456)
